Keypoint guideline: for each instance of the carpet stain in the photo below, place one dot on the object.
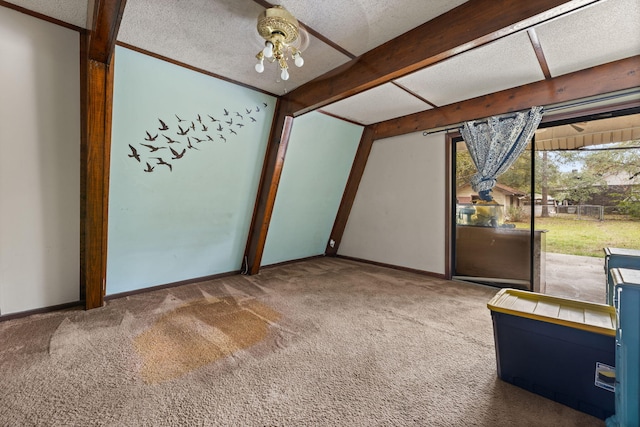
(200, 333)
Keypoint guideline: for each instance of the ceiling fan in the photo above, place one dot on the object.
(578, 128)
(284, 38)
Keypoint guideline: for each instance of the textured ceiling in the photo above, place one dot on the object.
(500, 65)
(377, 104)
(604, 32)
(219, 37)
(359, 26)
(73, 12)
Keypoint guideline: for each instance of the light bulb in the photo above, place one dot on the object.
(284, 75)
(299, 61)
(268, 50)
(260, 66)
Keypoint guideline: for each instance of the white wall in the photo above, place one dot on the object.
(39, 163)
(398, 215)
(316, 168)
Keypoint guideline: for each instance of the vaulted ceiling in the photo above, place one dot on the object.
(219, 37)
(395, 66)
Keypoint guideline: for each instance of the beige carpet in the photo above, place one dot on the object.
(324, 342)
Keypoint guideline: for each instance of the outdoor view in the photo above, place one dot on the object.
(586, 196)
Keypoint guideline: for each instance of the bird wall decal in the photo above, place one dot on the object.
(162, 162)
(150, 138)
(196, 133)
(134, 153)
(152, 148)
(177, 155)
(171, 141)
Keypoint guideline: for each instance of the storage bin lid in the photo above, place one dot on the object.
(592, 317)
(625, 276)
(621, 252)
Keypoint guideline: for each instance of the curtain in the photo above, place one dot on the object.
(495, 143)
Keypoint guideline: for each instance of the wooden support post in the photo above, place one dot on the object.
(96, 186)
(97, 99)
(271, 171)
(351, 189)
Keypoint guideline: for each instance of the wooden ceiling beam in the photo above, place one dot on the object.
(107, 15)
(469, 25)
(606, 78)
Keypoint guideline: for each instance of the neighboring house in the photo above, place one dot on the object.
(618, 187)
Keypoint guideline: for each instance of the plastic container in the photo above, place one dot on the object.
(618, 258)
(558, 348)
(480, 214)
(627, 395)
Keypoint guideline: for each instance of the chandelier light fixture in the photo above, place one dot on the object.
(284, 39)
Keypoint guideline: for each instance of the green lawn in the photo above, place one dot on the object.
(586, 237)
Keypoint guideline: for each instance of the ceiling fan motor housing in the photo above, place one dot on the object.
(277, 23)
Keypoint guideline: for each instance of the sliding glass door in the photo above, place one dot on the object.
(494, 241)
(555, 209)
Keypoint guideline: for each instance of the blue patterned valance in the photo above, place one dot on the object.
(495, 143)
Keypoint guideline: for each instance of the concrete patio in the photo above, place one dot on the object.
(577, 277)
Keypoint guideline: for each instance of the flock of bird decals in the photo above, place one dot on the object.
(167, 143)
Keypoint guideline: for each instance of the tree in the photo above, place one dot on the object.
(580, 186)
(593, 165)
(589, 169)
(619, 158)
(519, 174)
(465, 168)
(544, 184)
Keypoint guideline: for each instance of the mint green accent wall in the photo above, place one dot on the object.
(317, 164)
(192, 221)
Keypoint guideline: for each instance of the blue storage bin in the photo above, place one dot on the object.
(618, 258)
(558, 348)
(627, 395)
